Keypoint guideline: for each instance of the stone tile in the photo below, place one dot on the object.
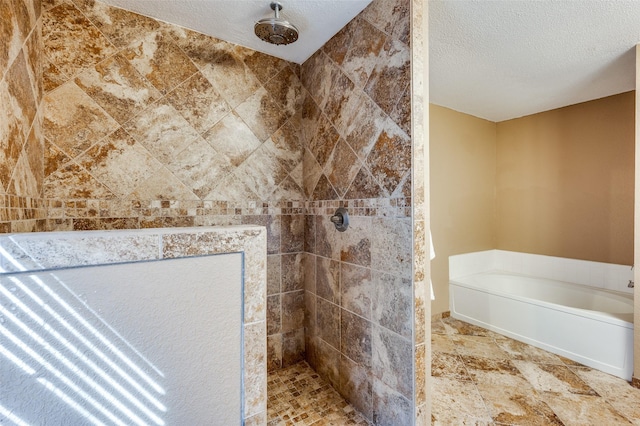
(273, 225)
(52, 77)
(355, 338)
(117, 87)
(297, 395)
(454, 326)
(274, 351)
(233, 138)
(390, 157)
(73, 121)
(356, 289)
(292, 347)
(309, 234)
(511, 400)
(521, 351)
(338, 46)
(158, 58)
(292, 233)
(420, 374)
(342, 167)
(263, 66)
(392, 17)
(199, 103)
(292, 311)
(162, 185)
(479, 346)
(553, 378)
(390, 407)
(233, 188)
(73, 181)
(623, 397)
(286, 89)
(356, 246)
(274, 314)
(262, 172)
(287, 145)
(71, 42)
(255, 363)
(401, 114)
(576, 409)
(310, 318)
(119, 162)
(322, 144)
(292, 272)
(328, 363)
(162, 130)
(328, 322)
(391, 303)
(120, 26)
(200, 167)
(391, 246)
(443, 343)
(262, 114)
(324, 190)
(392, 360)
(457, 402)
(309, 270)
(339, 96)
(328, 279)
(450, 365)
(310, 118)
(391, 75)
(11, 36)
(226, 71)
(273, 274)
(365, 186)
(363, 53)
(312, 173)
(356, 385)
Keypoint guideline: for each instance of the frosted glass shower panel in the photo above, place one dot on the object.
(144, 343)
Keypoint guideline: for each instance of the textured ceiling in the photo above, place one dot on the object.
(505, 59)
(233, 20)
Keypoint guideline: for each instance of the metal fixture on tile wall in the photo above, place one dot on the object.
(276, 30)
(341, 219)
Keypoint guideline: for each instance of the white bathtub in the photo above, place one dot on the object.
(588, 325)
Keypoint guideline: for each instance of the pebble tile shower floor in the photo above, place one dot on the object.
(483, 378)
(298, 396)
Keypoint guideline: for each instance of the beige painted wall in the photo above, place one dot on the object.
(462, 173)
(565, 181)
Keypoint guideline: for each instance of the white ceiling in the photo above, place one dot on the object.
(233, 20)
(505, 59)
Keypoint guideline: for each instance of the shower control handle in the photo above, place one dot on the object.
(341, 219)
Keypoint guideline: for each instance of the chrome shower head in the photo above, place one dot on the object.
(275, 30)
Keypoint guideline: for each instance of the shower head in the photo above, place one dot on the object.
(275, 30)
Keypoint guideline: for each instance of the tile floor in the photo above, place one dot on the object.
(479, 378)
(483, 378)
(298, 396)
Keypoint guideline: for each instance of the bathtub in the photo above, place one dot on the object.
(589, 325)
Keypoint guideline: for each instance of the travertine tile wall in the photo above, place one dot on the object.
(21, 149)
(356, 124)
(147, 125)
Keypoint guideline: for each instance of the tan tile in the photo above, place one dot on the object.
(622, 396)
(522, 351)
(324, 141)
(200, 167)
(312, 172)
(457, 402)
(338, 46)
(264, 66)
(579, 410)
(445, 364)
(72, 181)
(262, 114)
(162, 185)
(288, 190)
(455, 326)
(478, 346)
(119, 162)
(52, 77)
(71, 42)
(553, 378)
(160, 60)
(342, 167)
(391, 75)
(73, 121)
(286, 89)
(391, 303)
(162, 130)
(363, 53)
(392, 360)
(287, 145)
(392, 17)
(199, 103)
(116, 86)
(365, 186)
(390, 157)
(262, 172)
(11, 36)
(232, 138)
(356, 289)
(356, 338)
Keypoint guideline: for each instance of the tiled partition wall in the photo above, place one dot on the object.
(21, 149)
(151, 125)
(359, 293)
